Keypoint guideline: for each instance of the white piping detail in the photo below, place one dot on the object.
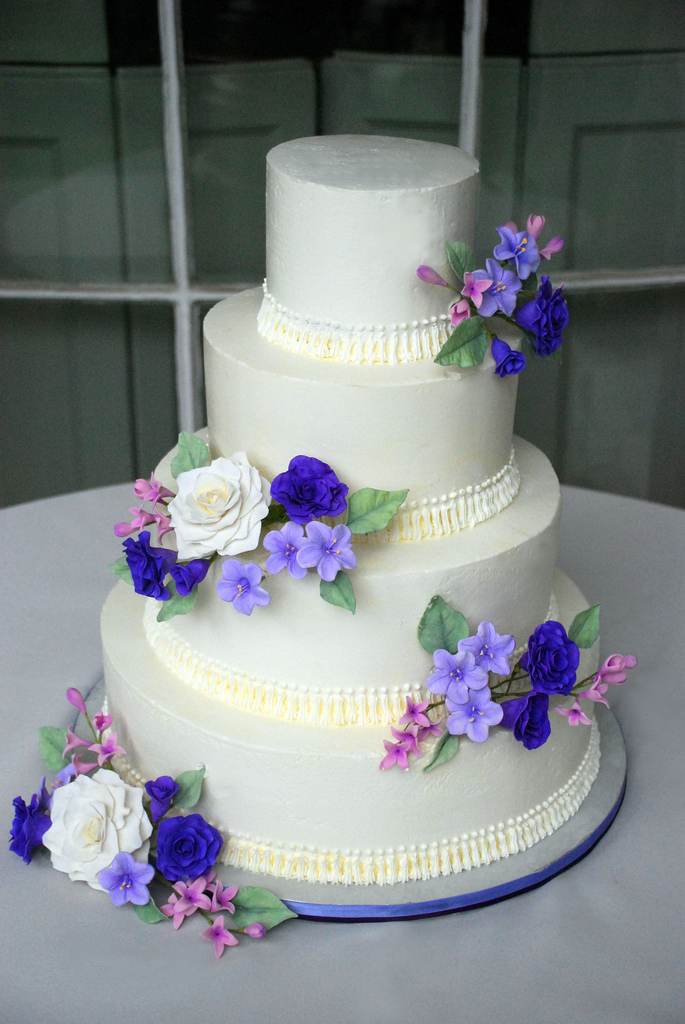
(359, 344)
(361, 706)
(459, 510)
(403, 864)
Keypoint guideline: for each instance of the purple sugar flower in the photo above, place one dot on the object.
(456, 674)
(186, 577)
(329, 549)
(575, 714)
(528, 717)
(501, 295)
(285, 544)
(520, 248)
(545, 318)
(240, 586)
(161, 792)
(63, 778)
(309, 489)
(490, 650)
(29, 825)
(474, 716)
(508, 361)
(396, 753)
(126, 880)
(551, 659)
(148, 566)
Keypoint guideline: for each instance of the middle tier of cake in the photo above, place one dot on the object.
(306, 660)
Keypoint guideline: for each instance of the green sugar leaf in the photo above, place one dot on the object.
(52, 742)
(444, 750)
(585, 627)
(192, 454)
(466, 345)
(339, 592)
(120, 567)
(149, 913)
(254, 904)
(441, 627)
(461, 257)
(189, 787)
(177, 604)
(369, 510)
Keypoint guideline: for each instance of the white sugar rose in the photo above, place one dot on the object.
(219, 508)
(93, 819)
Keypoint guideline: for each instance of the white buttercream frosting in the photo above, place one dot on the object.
(349, 220)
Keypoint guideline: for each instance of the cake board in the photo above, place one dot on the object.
(466, 890)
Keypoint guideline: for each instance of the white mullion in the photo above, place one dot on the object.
(169, 14)
(473, 34)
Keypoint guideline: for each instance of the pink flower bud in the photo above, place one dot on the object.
(255, 931)
(614, 669)
(431, 276)
(102, 722)
(460, 311)
(75, 697)
(535, 224)
(555, 245)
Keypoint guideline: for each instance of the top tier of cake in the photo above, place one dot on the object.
(349, 220)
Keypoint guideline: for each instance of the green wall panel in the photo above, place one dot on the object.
(53, 32)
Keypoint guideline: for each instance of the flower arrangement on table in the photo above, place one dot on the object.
(513, 296)
(221, 508)
(475, 687)
(120, 839)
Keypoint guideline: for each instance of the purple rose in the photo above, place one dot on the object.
(148, 566)
(187, 577)
(161, 792)
(507, 360)
(529, 718)
(308, 490)
(545, 317)
(187, 847)
(29, 826)
(551, 659)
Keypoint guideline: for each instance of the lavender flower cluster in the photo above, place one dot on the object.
(101, 830)
(499, 291)
(474, 703)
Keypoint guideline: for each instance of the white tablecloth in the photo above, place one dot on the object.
(601, 943)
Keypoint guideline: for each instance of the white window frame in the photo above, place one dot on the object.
(185, 296)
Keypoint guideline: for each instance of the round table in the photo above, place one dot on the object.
(602, 943)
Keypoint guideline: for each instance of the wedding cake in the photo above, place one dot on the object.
(426, 504)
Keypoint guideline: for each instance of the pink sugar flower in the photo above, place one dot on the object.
(434, 729)
(140, 520)
(575, 714)
(409, 739)
(554, 246)
(396, 754)
(163, 524)
(474, 289)
(75, 697)
(415, 713)
(613, 671)
(174, 909)
(107, 749)
(221, 898)
(460, 311)
(102, 722)
(256, 930)
(220, 936)
(80, 766)
(73, 741)
(151, 490)
(596, 692)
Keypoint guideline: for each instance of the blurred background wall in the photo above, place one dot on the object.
(583, 120)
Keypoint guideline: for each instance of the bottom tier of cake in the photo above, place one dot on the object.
(309, 802)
